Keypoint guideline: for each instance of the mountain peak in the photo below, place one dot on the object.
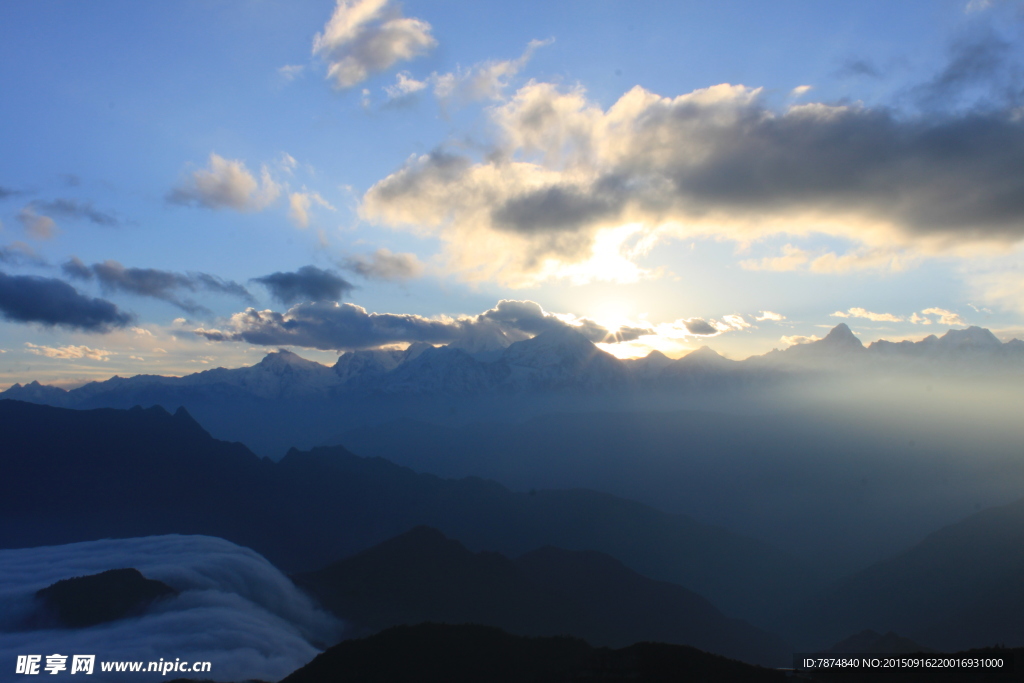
(555, 346)
(283, 360)
(705, 352)
(972, 337)
(842, 336)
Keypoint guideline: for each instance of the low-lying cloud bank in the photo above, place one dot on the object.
(235, 609)
(342, 326)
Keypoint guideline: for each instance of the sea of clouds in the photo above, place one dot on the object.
(234, 609)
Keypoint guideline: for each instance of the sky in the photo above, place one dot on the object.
(194, 184)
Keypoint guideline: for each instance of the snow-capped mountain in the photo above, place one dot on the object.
(561, 359)
(555, 361)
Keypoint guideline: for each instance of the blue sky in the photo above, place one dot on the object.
(736, 174)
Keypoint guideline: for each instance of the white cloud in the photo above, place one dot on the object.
(945, 317)
(299, 204)
(918, 319)
(69, 352)
(801, 90)
(732, 322)
(792, 258)
(226, 183)
(404, 86)
(769, 315)
(879, 258)
(799, 339)
(364, 37)
(484, 81)
(868, 315)
(290, 72)
(287, 163)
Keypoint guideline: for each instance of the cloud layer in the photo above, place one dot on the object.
(565, 174)
(342, 326)
(74, 209)
(158, 284)
(235, 609)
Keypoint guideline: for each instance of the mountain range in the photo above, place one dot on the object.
(560, 359)
(961, 587)
(470, 653)
(423, 576)
(76, 475)
(286, 400)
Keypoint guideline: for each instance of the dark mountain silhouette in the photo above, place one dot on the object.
(790, 478)
(84, 601)
(423, 576)
(868, 641)
(440, 653)
(81, 475)
(962, 587)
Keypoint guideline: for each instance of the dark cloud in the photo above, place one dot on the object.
(526, 316)
(308, 283)
(978, 72)
(28, 299)
(384, 265)
(699, 327)
(74, 209)
(333, 326)
(556, 209)
(438, 168)
(858, 68)
(74, 268)
(158, 284)
(6, 192)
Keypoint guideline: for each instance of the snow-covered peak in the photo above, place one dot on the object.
(972, 338)
(366, 363)
(482, 339)
(557, 346)
(283, 360)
